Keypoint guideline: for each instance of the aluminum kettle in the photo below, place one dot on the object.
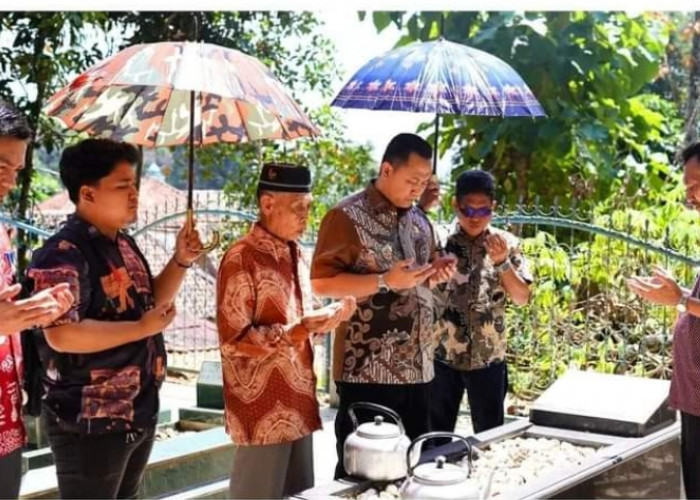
(376, 450)
(440, 480)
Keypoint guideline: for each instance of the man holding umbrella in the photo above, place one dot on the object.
(377, 246)
(104, 359)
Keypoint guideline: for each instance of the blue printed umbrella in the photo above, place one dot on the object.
(440, 77)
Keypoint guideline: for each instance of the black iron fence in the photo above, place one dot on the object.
(581, 313)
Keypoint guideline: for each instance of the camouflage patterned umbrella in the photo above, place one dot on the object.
(173, 93)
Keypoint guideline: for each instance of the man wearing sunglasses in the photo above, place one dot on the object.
(471, 352)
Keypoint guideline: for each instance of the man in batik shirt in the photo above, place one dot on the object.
(16, 315)
(377, 246)
(265, 327)
(105, 358)
(491, 270)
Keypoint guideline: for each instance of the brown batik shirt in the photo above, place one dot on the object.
(263, 291)
(472, 326)
(388, 339)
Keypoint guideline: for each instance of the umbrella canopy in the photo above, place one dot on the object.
(173, 93)
(142, 96)
(440, 77)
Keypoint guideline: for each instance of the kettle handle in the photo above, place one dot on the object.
(433, 435)
(375, 407)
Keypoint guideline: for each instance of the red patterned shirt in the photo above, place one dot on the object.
(11, 427)
(263, 289)
(685, 383)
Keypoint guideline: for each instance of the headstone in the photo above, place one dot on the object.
(622, 405)
(210, 386)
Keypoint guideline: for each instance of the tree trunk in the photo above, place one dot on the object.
(26, 173)
(691, 127)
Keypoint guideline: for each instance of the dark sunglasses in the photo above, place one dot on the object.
(475, 212)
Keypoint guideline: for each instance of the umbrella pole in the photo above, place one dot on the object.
(439, 249)
(190, 168)
(216, 237)
(139, 169)
(435, 143)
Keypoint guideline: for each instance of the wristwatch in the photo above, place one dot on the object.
(383, 287)
(682, 306)
(503, 266)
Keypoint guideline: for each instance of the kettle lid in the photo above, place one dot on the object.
(440, 472)
(378, 429)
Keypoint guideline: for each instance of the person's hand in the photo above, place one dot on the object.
(659, 288)
(445, 267)
(431, 195)
(40, 309)
(497, 248)
(403, 276)
(157, 319)
(329, 317)
(188, 246)
(348, 309)
(65, 299)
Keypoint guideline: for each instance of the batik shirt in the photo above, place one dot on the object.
(389, 338)
(112, 390)
(472, 328)
(263, 290)
(11, 427)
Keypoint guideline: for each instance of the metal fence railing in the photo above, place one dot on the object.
(581, 313)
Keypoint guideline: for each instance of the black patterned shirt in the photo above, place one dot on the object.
(389, 338)
(115, 389)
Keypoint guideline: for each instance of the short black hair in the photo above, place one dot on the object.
(88, 161)
(13, 123)
(401, 146)
(476, 181)
(690, 152)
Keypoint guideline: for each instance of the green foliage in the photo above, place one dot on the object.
(288, 42)
(46, 49)
(581, 313)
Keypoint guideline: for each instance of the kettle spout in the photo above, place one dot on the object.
(486, 491)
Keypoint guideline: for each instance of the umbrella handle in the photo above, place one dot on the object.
(213, 243)
(215, 237)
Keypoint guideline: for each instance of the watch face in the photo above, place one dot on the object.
(504, 266)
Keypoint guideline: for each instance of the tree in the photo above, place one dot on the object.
(605, 136)
(288, 42)
(691, 112)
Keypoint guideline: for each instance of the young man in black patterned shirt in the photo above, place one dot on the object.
(105, 358)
